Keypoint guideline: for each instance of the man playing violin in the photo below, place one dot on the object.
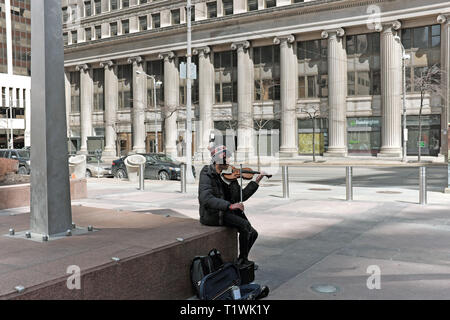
(220, 200)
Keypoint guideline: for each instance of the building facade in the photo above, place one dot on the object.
(15, 71)
(269, 74)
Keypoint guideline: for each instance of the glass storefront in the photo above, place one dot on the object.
(431, 135)
(364, 135)
(305, 136)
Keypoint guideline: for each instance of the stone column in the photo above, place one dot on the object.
(245, 100)
(391, 91)
(206, 100)
(288, 95)
(138, 112)
(444, 20)
(68, 99)
(337, 93)
(171, 102)
(86, 96)
(111, 105)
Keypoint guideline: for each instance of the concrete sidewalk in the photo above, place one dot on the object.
(317, 238)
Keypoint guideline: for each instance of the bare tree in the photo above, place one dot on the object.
(313, 112)
(428, 82)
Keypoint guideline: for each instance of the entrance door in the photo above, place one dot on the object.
(151, 143)
(124, 143)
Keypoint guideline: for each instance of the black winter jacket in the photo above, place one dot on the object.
(214, 199)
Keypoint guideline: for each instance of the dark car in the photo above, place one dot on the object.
(22, 155)
(158, 166)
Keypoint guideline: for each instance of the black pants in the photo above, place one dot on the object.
(247, 234)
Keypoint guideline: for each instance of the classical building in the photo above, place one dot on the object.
(15, 70)
(267, 72)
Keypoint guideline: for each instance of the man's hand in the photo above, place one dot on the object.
(259, 178)
(237, 206)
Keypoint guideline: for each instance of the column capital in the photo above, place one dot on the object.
(389, 26)
(82, 67)
(337, 32)
(443, 18)
(240, 45)
(167, 56)
(202, 51)
(107, 64)
(135, 60)
(283, 39)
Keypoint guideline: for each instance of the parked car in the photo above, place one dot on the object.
(22, 155)
(158, 166)
(94, 169)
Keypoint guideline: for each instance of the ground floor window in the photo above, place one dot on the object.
(430, 140)
(151, 143)
(364, 135)
(225, 133)
(74, 145)
(306, 136)
(124, 144)
(266, 137)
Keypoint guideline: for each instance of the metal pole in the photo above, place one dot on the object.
(11, 142)
(405, 134)
(349, 183)
(285, 176)
(141, 177)
(156, 120)
(190, 175)
(423, 185)
(183, 178)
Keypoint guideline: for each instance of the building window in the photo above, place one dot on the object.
(66, 38)
(74, 37)
(155, 68)
(65, 14)
(211, 9)
(175, 14)
(225, 68)
(114, 5)
(98, 32)
(252, 5)
(21, 37)
(271, 3)
(312, 57)
(143, 1)
(431, 135)
(113, 29)
(156, 20)
(363, 65)
(297, 1)
(423, 44)
(87, 34)
(194, 82)
(192, 14)
(306, 130)
(125, 3)
(227, 7)
(98, 6)
(87, 9)
(364, 135)
(75, 92)
(124, 76)
(266, 137)
(125, 26)
(99, 82)
(143, 23)
(267, 73)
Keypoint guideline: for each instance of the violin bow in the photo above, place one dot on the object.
(241, 183)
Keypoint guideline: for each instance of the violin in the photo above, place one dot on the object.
(247, 174)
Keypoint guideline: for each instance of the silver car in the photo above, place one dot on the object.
(96, 169)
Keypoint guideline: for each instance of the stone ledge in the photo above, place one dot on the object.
(153, 263)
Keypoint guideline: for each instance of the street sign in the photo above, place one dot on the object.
(183, 71)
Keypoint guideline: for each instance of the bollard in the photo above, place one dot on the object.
(183, 178)
(423, 185)
(349, 183)
(141, 177)
(285, 176)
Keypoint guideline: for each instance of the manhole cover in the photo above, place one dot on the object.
(325, 288)
(319, 189)
(389, 192)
